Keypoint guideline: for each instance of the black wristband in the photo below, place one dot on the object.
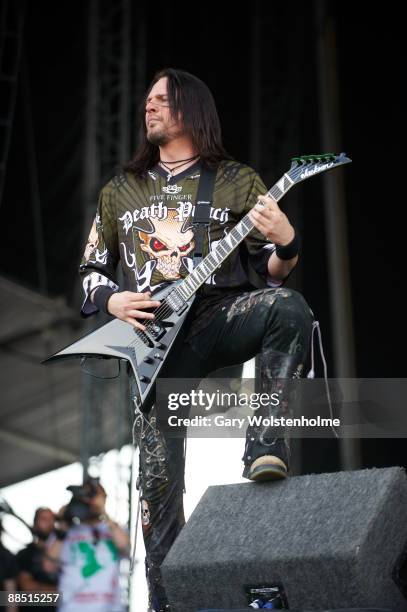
(290, 250)
(100, 297)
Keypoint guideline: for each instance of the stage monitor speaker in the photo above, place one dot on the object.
(323, 541)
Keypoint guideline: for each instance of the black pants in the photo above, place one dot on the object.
(256, 322)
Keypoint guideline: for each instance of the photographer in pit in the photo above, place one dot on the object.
(31, 573)
(86, 551)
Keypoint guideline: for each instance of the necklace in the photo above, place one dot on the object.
(170, 171)
(175, 161)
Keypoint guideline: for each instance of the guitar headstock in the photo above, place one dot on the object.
(308, 165)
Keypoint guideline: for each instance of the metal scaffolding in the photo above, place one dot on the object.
(116, 75)
(11, 46)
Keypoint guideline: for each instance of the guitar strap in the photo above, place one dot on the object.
(200, 219)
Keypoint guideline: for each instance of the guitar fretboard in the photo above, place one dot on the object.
(223, 249)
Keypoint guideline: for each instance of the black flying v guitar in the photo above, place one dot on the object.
(147, 350)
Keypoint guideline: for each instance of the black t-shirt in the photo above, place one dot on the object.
(30, 560)
(8, 566)
(146, 225)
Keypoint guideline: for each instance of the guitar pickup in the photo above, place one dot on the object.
(181, 310)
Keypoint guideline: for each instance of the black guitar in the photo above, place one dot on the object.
(146, 351)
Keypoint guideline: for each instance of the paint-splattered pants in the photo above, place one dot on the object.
(266, 322)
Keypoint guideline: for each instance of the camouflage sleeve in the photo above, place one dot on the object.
(259, 249)
(99, 261)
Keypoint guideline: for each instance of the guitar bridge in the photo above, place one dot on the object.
(143, 337)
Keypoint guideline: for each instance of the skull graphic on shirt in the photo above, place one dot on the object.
(167, 244)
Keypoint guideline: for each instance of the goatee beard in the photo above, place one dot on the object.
(159, 139)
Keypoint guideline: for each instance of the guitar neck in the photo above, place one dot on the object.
(228, 244)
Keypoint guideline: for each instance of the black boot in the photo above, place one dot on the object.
(157, 600)
(267, 451)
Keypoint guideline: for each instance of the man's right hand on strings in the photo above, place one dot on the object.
(129, 307)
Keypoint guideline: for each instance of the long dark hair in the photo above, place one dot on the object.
(190, 97)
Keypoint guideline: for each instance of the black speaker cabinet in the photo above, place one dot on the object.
(325, 540)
